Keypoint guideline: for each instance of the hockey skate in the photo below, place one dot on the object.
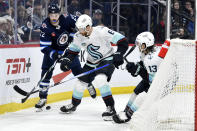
(68, 108)
(41, 103)
(107, 115)
(122, 117)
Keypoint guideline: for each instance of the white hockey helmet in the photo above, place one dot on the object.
(83, 21)
(145, 37)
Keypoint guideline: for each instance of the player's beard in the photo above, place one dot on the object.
(85, 34)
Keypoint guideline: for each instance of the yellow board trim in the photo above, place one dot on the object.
(12, 107)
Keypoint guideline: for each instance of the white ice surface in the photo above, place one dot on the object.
(87, 117)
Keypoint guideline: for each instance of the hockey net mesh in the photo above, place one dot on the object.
(170, 101)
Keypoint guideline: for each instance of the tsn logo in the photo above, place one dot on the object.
(18, 65)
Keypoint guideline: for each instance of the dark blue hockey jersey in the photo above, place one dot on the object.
(53, 38)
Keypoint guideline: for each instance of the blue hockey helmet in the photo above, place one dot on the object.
(53, 8)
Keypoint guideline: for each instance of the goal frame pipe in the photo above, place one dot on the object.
(195, 20)
(195, 118)
(195, 105)
(168, 17)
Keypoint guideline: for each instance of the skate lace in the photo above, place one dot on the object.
(41, 101)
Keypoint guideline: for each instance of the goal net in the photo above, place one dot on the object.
(170, 101)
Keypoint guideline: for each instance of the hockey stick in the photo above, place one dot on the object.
(131, 50)
(27, 94)
(22, 92)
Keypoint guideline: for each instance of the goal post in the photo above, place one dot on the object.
(170, 101)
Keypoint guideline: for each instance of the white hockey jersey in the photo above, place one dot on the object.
(151, 62)
(98, 44)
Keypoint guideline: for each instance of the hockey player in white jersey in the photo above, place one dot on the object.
(150, 59)
(97, 43)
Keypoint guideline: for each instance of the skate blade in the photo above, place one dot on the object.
(107, 118)
(69, 112)
(38, 109)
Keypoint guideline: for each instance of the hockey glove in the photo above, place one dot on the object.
(118, 59)
(133, 68)
(65, 64)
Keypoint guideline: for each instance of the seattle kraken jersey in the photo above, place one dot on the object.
(98, 44)
(51, 36)
(151, 62)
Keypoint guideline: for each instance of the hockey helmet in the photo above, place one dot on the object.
(53, 8)
(147, 38)
(83, 21)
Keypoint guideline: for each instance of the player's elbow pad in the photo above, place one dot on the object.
(122, 46)
(164, 49)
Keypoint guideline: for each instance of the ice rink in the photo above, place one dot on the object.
(87, 117)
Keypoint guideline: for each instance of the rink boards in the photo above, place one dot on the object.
(21, 65)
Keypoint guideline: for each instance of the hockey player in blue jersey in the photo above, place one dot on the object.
(55, 36)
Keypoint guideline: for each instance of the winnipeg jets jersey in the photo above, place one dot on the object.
(151, 62)
(50, 36)
(97, 45)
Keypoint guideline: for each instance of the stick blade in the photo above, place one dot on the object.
(20, 91)
(24, 99)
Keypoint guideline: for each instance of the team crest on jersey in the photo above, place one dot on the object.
(63, 39)
(93, 51)
(44, 25)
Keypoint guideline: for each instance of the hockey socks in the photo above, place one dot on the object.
(76, 101)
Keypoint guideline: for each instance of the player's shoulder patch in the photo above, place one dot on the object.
(44, 25)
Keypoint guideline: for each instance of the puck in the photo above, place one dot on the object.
(48, 107)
